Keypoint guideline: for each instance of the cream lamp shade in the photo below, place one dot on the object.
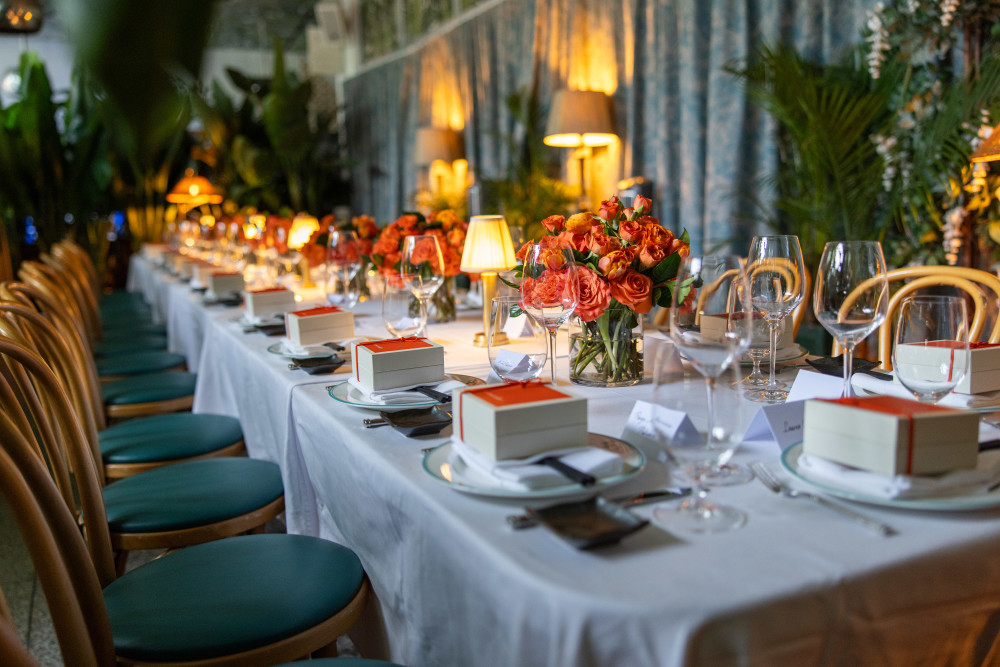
(437, 143)
(487, 245)
(303, 226)
(989, 149)
(580, 118)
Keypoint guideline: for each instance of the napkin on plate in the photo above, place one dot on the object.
(288, 347)
(402, 395)
(526, 475)
(898, 487)
(860, 381)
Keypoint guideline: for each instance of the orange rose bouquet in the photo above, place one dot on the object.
(627, 264)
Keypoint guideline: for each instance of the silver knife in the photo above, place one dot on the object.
(519, 521)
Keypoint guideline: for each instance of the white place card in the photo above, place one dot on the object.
(518, 327)
(512, 363)
(780, 423)
(809, 384)
(652, 426)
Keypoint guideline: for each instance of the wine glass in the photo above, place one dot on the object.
(400, 314)
(711, 325)
(521, 358)
(931, 351)
(756, 353)
(851, 297)
(550, 291)
(422, 270)
(777, 286)
(343, 262)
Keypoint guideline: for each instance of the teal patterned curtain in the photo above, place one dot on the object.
(684, 123)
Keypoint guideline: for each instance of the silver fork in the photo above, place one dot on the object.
(765, 475)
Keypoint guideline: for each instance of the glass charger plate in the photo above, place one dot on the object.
(437, 464)
(313, 352)
(790, 462)
(345, 393)
(790, 353)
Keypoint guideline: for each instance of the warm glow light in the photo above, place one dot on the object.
(989, 149)
(487, 245)
(589, 140)
(579, 118)
(193, 190)
(303, 226)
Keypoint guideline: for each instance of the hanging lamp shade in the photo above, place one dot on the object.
(989, 149)
(194, 190)
(21, 16)
(579, 118)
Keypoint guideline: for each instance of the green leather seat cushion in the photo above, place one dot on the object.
(116, 316)
(230, 595)
(149, 388)
(191, 493)
(121, 296)
(127, 344)
(341, 662)
(138, 362)
(127, 329)
(170, 437)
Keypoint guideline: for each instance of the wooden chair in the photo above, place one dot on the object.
(982, 288)
(249, 600)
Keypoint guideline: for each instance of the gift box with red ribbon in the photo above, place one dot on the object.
(890, 435)
(225, 282)
(941, 356)
(512, 421)
(266, 302)
(397, 362)
(319, 325)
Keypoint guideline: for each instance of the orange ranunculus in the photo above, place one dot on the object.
(648, 220)
(615, 264)
(579, 223)
(610, 208)
(544, 291)
(601, 244)
(656, 235)
(634, 291)
(651, 255)
(642, 204)
(631, 230)
(554, 223)
(595, 295)
(578, 242)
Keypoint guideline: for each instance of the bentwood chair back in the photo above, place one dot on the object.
(14, 653)
(982, 288)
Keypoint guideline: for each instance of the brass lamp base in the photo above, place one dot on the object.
(499, 338)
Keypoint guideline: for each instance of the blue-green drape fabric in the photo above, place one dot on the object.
(684, 123)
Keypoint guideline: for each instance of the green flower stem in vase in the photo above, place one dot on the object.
(608, 351)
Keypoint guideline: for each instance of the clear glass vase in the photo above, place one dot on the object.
(441, 307)
(611, 358)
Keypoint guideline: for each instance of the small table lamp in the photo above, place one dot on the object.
(303, 226)
(488, 250)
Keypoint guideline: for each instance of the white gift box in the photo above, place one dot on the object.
(397, 362)
(155, 251)
(319, 325)
(266, 302)
(222, 282)
(934, 360)
(716, 326)
(513, 421)
(891, 436)
(200, 273)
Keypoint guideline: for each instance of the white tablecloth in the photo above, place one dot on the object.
(456, 586)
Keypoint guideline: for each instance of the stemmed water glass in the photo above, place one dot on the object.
(422, 270)
(343, 261)
(398, 314)
(931, 352)
(521, 358)
(711, 325)
(777, 286)
(550, 291)
(851, 297)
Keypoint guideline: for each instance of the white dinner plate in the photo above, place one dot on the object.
(312, 352)
(437, 464)
(959, 503)
(344, 392)
(790, 353)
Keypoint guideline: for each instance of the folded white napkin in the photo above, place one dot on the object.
(863, 381)
(956, 483)
(402, 395)
(288, 347)
(526, 475)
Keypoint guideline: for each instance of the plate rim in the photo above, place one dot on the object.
(287, 355)
(941, 504)
(399, 406)
(565, 491)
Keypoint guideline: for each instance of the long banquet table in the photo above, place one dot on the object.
(456, 586)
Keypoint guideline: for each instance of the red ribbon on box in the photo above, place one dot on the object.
(389, 345)
(529, 391)
(222, 274)
(893, 405)
(320, 310)
(269, 289)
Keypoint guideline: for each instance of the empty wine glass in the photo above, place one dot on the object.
(343, 262)
(710, 324)
(400, 312)
(851, 295)
(550, 291)
(931, 352)
(522, 357)
(777, 286)
(422, 270)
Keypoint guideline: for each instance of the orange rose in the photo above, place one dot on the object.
(651, 255)
(630, 230)
(595, 295)
(580, 223)
(680, 247)
(634, 291)
(554, 223)
(601, 244)
(578, 242)
(407, 222)
(656, 235)
(610, 208)
(641, 204)
(615, 264)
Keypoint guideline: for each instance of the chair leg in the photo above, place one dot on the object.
(121, 562)
(328, 651)
(257, 530)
